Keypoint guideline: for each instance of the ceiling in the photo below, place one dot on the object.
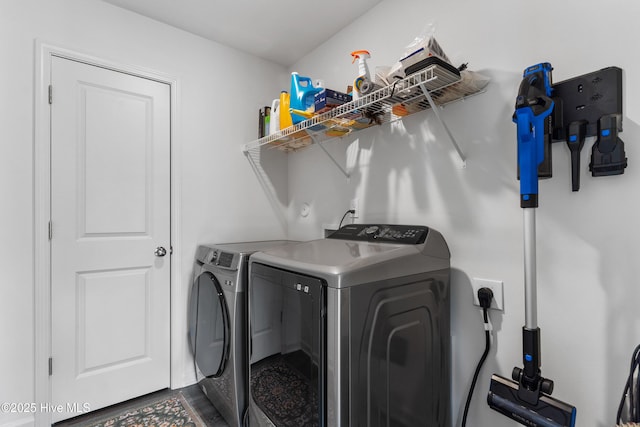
(282, 31)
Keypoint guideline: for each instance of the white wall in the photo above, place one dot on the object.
(221, 198)
(408, 173)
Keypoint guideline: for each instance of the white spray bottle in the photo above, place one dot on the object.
(362, 84)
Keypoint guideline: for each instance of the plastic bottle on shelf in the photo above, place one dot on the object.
(285, 115)
(302, 95)
(274, 123)
(362, 84)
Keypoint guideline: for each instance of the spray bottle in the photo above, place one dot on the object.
(362, 84)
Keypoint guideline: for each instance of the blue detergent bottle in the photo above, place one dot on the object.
(302, 95)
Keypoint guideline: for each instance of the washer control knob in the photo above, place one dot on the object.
(372, 231)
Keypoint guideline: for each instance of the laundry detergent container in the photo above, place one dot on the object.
(302, 95)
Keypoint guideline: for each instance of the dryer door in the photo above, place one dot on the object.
(209, 328)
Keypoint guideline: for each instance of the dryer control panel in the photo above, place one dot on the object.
(390, 233)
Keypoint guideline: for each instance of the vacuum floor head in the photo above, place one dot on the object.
(548, 412)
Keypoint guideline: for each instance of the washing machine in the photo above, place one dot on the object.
(218, 324)
(352, 330)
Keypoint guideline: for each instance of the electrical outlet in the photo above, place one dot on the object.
(354, 206)
(497, 303)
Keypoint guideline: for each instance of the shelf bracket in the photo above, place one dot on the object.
(335, 162)
(435, 108)
(267, 186)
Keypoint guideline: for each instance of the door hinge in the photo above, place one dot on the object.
(50, 230)
(50, 94)
(50, 366)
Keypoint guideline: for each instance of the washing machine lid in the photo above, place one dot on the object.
(351, 258)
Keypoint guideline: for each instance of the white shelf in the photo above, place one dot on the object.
(426, 89)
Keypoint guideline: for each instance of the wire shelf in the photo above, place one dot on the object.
(386, 104)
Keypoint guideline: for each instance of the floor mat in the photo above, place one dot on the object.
(171, 412)
(286, 396)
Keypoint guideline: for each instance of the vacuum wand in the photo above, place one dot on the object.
(526, 399)
(530, 278)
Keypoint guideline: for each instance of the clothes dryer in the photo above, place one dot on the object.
(352, 330)
(218, 324)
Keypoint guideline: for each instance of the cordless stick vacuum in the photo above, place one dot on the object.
(526, 398)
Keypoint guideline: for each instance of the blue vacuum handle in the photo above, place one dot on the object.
(533, 108)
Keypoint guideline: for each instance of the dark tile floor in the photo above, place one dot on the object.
(192, 394)
(201, 404)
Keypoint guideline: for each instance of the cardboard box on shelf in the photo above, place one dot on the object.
(328, 99)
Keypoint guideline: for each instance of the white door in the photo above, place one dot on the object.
(110, 210)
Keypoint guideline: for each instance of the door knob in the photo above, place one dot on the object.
(160, 251)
